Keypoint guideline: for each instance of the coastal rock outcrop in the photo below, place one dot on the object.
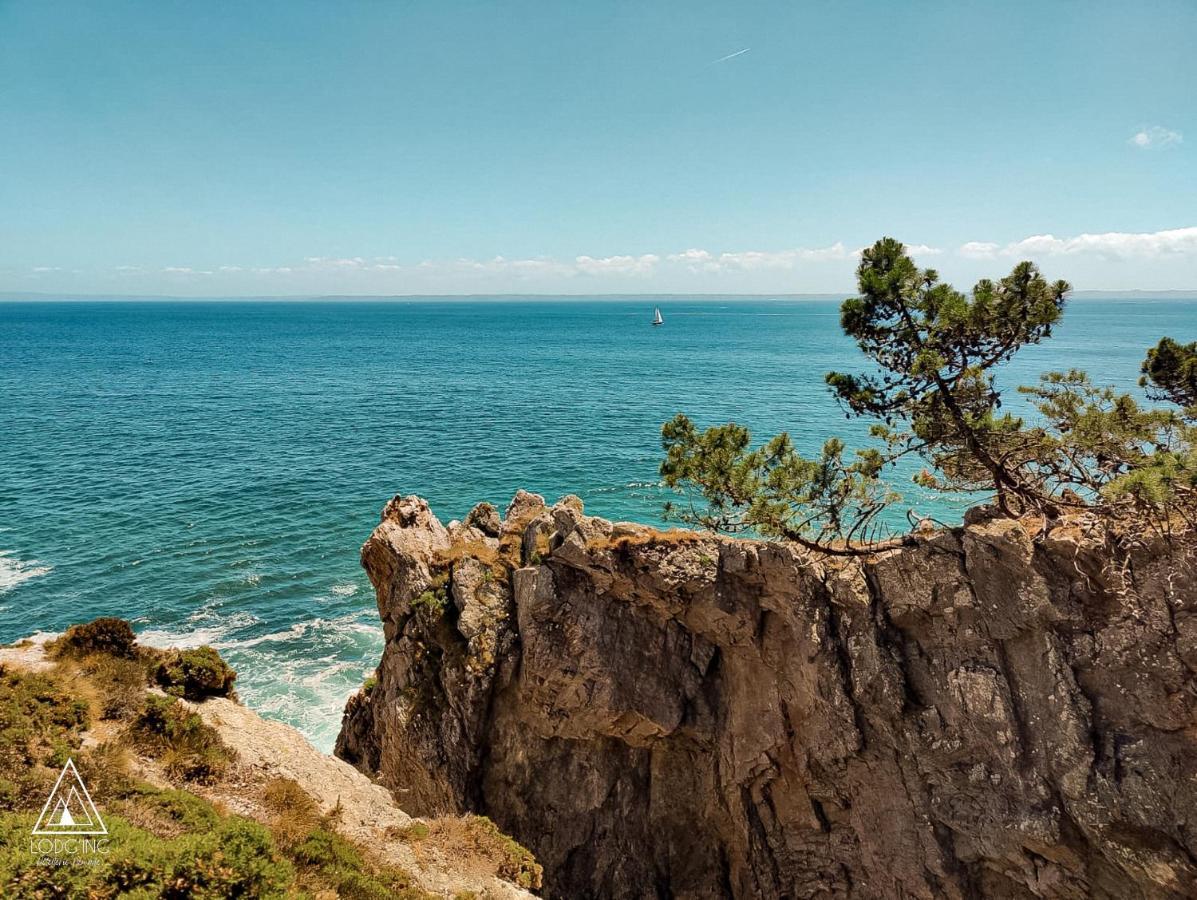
(989, 713)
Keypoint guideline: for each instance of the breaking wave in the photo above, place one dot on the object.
(14, 572)
(301, 674)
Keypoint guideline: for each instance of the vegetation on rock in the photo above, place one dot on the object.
(164, 842)
(178, 737)
(931, 393)
(107, 635)
(322, 857)
(99, 704)
(435, 600)
(516, 863)
(41, 724)
(195, 674)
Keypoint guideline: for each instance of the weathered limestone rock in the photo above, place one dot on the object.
(677, 715)
(485, 518)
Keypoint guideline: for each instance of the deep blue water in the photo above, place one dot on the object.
(210, 469)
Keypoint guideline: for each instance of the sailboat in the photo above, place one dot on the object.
(657, 320)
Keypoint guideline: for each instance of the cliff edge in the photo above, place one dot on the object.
(668, 714)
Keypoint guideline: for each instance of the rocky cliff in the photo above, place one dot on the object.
(990, 713)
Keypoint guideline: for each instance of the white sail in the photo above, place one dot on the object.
(657, 320)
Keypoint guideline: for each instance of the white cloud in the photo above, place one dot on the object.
(41, 269)
(617, 265)
(697, 260)
(979, 250)
(1113, 244)
(185, 270)
(498, 265)
(759, 260)
(382, 272)
(349, 264)
(1156, 137)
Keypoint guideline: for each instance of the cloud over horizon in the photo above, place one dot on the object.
(1106, 256)
(1112, 244)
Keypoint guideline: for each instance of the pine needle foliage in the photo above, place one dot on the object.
(930, 392)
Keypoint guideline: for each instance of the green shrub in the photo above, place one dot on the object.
(435, 601)
(336, 862)
(41, 724)
(196, 674)
(233, 858)
(187, 747)
(236, 860)
(179, 811)
(105, 769)
(516, 863)
(324, 857)
(119, 682)
(416, 831)
(106, 634)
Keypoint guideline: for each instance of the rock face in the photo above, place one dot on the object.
(985, 714)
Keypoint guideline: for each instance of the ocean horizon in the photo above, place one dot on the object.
(552, 297)
(208, 469)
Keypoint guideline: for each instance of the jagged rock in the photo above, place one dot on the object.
(522, 507)
(485, 518)
(573, 501)
(989, 713)
(401, 550)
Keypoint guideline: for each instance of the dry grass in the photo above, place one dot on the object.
(179, 740)
(511, 537)
(293, 812)
(479, 550)
(114, 684)
(651, 537)
(476, 842)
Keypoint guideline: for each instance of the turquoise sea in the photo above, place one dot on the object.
(210, 469)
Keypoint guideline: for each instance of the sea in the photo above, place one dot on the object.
(210, 469)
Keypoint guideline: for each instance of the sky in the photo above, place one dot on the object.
(369, 147)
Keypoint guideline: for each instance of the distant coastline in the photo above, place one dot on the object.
(48, 297)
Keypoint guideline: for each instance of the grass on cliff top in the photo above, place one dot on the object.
(477, 838)
(163, 842)
(322, 857)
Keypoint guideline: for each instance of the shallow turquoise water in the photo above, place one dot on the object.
(209, 469)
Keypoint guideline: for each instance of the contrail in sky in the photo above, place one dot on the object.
(716, 62)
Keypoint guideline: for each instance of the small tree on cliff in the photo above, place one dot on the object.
(1132, 463)
(932, 392)
(1170, 373)
(828, 503)
(935, 350)
(1104, 450)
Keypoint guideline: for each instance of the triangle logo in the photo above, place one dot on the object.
(69, 809)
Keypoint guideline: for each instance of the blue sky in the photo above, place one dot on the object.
(222, 148)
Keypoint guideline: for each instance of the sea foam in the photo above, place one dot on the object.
(14, 572)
